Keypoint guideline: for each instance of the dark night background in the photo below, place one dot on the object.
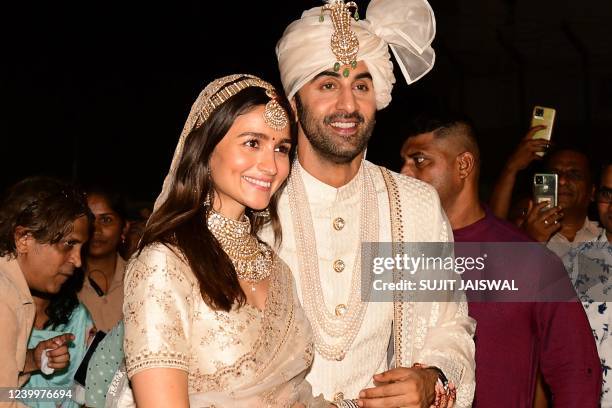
(99, 91)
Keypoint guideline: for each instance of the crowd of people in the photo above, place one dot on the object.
(244, 286)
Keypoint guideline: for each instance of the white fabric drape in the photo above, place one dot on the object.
(408, 27)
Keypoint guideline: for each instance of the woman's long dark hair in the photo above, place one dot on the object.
(181, 219)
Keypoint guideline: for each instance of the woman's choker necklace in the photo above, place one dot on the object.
(251, 258)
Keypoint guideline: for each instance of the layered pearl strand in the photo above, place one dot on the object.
(341, 328)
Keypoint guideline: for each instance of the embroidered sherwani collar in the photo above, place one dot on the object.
(319, 192)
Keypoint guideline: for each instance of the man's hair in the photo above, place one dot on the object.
(444, 126)
(45, 207)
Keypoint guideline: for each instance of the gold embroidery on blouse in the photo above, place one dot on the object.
(270, 397)
(309, 354)
(173, 331)
(141, 273)
(131, 311)
(269, 329)
(272, 335)
(164, 298)
(231, 326)
(163, 358)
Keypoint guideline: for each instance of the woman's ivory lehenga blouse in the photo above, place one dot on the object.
(242, 358)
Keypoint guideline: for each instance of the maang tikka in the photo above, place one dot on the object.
(274, 115)
(344, 41)
(210, 98)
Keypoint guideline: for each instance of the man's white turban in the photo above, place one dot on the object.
(406, 26)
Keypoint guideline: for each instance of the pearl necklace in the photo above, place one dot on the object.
(251, 258)
(344, 328)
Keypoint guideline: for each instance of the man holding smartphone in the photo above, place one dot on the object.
(567, 225)
(528, 150)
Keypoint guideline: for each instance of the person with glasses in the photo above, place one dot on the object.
(604, 200)
(589, 265)
(581, 244)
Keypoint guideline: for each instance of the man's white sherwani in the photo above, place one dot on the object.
(433, 333)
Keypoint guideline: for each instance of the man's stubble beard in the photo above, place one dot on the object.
(323, 143)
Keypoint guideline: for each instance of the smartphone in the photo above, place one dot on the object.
(545, 188)
(543, 116)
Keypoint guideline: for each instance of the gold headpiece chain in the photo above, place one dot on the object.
(274, 114)
(344, 41)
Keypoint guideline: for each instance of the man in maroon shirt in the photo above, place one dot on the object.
(513, 339)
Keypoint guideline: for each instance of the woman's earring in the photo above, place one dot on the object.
(265, 213)
(209, 198)
(207, 201)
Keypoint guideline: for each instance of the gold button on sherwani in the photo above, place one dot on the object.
(341, 309)
(338, 224)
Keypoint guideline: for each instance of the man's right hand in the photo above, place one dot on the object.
(526, 151)
(542, 224)
(59, 356)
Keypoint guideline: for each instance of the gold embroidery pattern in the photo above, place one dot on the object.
(244, 350)
(270, 397)
(130, 311)
(146, 292)
(277, 322)
(173, 331)
(139, 271)
(397, 234)
(309, 354)
(163, 298)
(164, 358)
(229, 330)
